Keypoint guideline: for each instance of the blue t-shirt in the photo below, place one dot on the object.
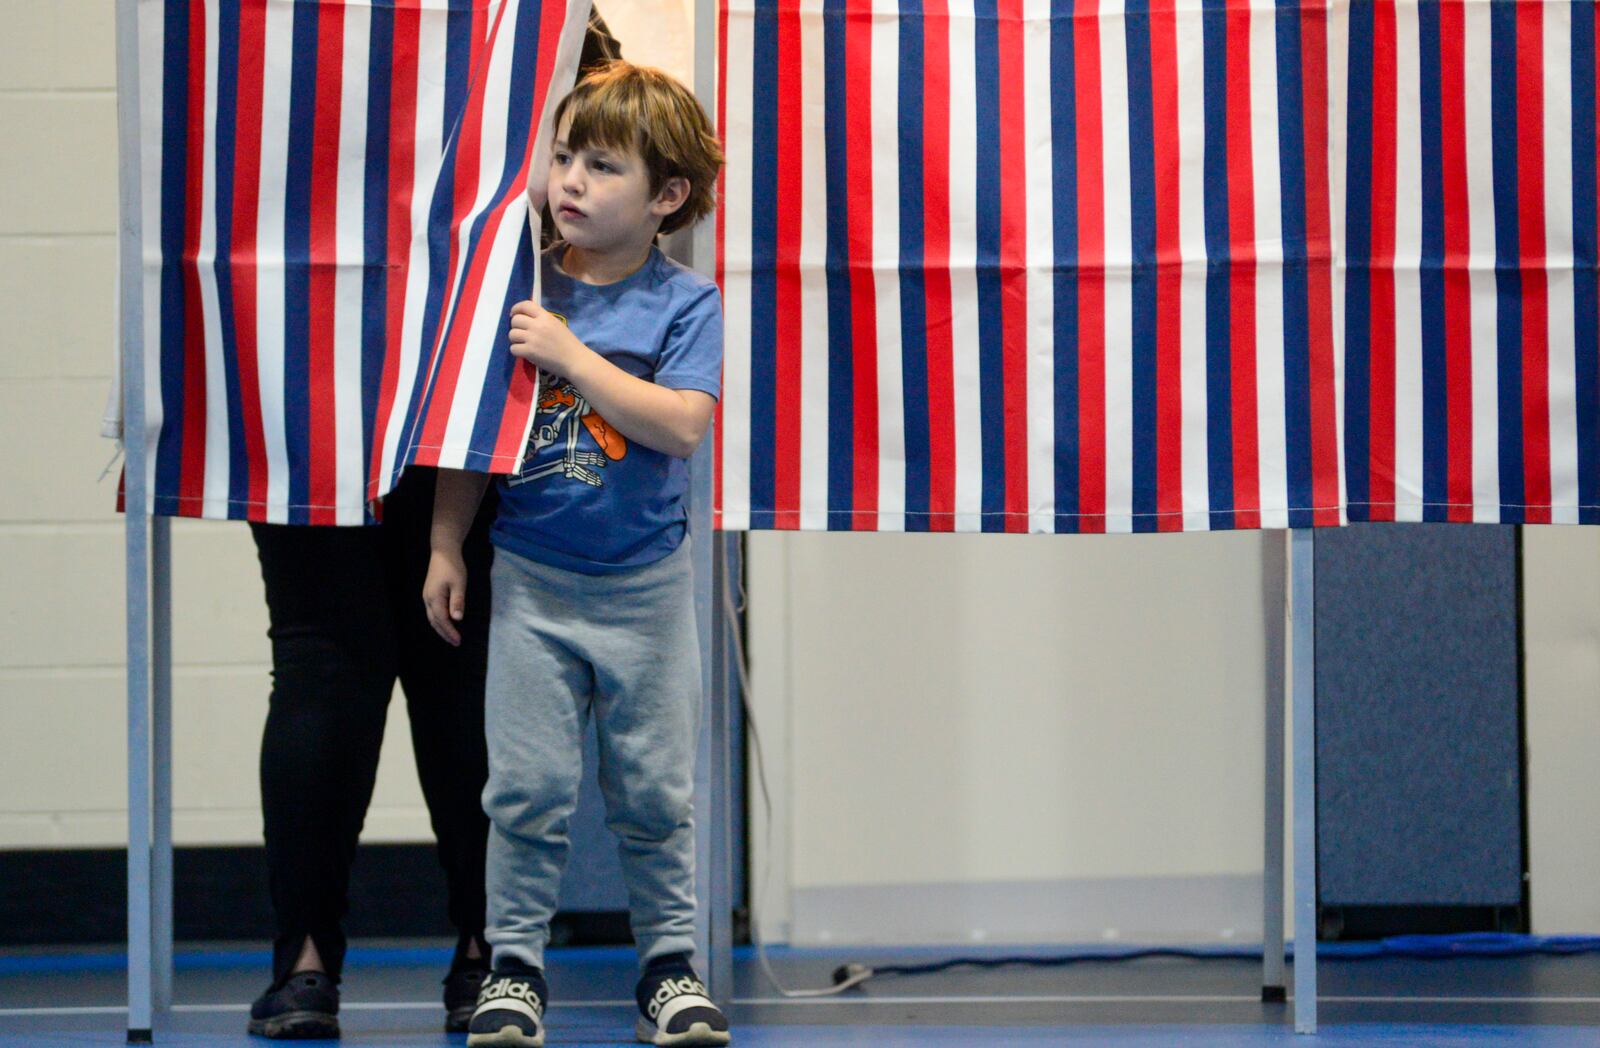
(587, 498)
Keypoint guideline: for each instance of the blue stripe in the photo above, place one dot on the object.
(1064, 209)
(174, 164)
(1142, 182)
(375, 226)
(297, 261)
(763, 278)
(1586, 250)
(1296, 289)
(1435, 420)
(1507, 257)
(913, 286)
(225, 137)
(1219, 270)
(1358, 275)
(519, 127)
(457, 81)
(991, 345)
(841, 378)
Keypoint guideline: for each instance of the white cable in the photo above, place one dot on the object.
(854, 974)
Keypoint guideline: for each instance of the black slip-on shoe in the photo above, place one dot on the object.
(461, 988)
(304, 1007)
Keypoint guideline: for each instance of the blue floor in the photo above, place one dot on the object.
(391, 994)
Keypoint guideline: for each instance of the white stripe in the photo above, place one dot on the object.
(426, 163)
(1192, 241)
(1267, 165)
(349, 274)
(482, 317)
(736, 262)
(1338, 64)
(1118, 265)
(1038, 150)
(278, 42)
(215, 490)
(1557, 67)
(460, 410)
(813, 405)
(886, 265)
(152, 35)
(688, 1000)
(1485, 305)
(563, 74)
(1408, 267)
(963, 269)
(482, 341)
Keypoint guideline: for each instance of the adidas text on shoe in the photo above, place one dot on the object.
(678, 1012)
(510, 1012)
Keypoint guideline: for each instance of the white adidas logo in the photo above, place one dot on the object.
(509, 987)
(679, 987)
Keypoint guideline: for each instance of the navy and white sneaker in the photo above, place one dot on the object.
(510, 1009)
(674, 1008)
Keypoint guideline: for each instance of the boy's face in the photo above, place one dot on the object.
(600, 196)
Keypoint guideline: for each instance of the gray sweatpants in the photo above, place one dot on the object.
(625, 650)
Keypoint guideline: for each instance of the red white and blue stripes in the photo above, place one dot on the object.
(1027, 265)
(330, 188)
(1472, 371)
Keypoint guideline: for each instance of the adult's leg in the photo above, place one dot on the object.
(333, 668)
(444, 692)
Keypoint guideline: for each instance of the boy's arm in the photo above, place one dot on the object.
(456, 496)
(671, 421)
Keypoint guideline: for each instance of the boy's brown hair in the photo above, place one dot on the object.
(622, 105)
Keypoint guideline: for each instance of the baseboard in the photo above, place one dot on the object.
(63, 897)
(1218, 908)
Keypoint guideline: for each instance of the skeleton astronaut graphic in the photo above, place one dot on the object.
(563, 415)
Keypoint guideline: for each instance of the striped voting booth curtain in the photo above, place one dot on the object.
(1027, 265)
(1472, 367)
(335, 224)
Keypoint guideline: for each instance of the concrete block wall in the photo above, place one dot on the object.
(62, 721)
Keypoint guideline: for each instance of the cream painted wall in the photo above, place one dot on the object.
(936, 711)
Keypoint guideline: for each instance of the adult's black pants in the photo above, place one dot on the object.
(345, 605)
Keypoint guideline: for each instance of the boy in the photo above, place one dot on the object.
(591, 587)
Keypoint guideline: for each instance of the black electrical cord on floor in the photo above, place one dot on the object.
(1414, 947)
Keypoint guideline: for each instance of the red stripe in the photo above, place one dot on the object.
(786, 408)
(402, 163)
(1457, 251)
(446, 364)
(1530, 238)
(936, 268)
(1013, 262)
(1242, 275)
(1092, 279)
(1169, 269)
(518, 409)
(1385, 136)
(192, 470)
(1319, 269)
(863, 294)
(242, 260)
(321, 394)
(722, 237)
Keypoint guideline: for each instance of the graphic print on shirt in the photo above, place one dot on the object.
(563, 414)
